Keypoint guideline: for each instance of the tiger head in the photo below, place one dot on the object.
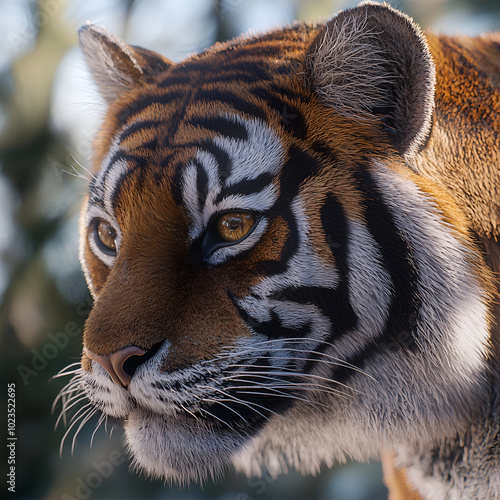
(275, 284)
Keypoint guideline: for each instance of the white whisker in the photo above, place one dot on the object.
(73, 386)
(188, 411)
(77, 174)
(204, 410)
(89, 415)
(265, 345)
(65, 374)
(285, 372)
(277, 393)
(219, 401)
(76, 417)
(99, 423)
(67, 407)
(84, 168)
(289, 384)
(72, 365)
(251, 405)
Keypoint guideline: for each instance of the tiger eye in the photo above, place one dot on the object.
(106, 234)
(233, 226)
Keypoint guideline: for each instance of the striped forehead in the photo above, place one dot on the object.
(232, 171)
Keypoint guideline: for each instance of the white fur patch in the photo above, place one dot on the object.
(454, 314)
(260, 153)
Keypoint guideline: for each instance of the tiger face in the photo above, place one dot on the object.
(275, 285)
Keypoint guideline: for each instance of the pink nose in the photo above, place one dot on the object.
(114, 363)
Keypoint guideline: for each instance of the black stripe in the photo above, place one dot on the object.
(238, 77)
(144, 101)
(240, 72)
(336, 231)
(335, 304)
(176, 119)
(221, 125)
(166, 160)
(247, 54)
(397, 259)
(290, 115)
(175, 183)
(201, 184)
(263, 51)
(289, 249)
(176, 78)
(332, 303)
(138, 126)
(136, 169)
(246, 71)
(150, 146)
(325, 151)
(272, 329)
(238, 103)
(223, 160)
(246, 187)
(299, 166)
(249, 71)
(289, 93)
(120, 155)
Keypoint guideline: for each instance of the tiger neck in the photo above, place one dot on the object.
(456, 154)
(456, 467)
(454, 158)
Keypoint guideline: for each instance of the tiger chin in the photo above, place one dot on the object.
(291, 241)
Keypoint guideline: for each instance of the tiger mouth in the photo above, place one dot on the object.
(207, 416)
(221, 408)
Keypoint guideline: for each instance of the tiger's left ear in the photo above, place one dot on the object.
(116, 66)
(372, 62)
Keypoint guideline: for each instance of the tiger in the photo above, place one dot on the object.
(292, 242)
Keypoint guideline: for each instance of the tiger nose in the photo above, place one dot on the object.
(115, 363)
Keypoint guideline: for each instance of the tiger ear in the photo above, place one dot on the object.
(116, 66)
(372, 62)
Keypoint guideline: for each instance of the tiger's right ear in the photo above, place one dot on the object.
(373, 62)
(116, 66)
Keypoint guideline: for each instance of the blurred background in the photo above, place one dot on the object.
(49, 112)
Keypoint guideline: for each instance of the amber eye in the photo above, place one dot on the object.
(234, 226)
(106, 236)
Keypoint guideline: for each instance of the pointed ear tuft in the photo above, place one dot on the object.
(116, 66)
(372, 62)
